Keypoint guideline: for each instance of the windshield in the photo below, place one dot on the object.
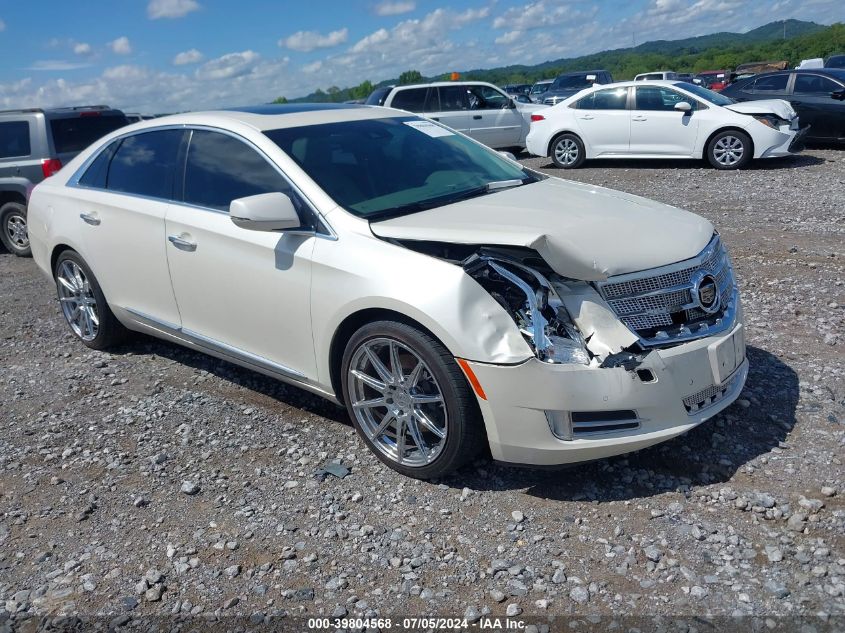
(538, 88)
(574, 82)
(708, 95)
(381, 168)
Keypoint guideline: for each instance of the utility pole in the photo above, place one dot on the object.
(784, 29)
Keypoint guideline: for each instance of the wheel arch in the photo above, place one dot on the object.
(560, 133)
(351, 324)
(12, 196)
(726, 128)
(58, 249)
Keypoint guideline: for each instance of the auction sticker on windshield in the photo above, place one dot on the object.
(427, 127)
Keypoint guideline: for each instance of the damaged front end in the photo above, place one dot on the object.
(563, 321)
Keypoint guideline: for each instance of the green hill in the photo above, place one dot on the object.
(715, 51)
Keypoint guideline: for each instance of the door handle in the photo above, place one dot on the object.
(181, 243)
(639, 118)
(476, 116)
(587, 117)
(90, 218)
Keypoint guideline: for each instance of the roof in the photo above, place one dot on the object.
(272, 116)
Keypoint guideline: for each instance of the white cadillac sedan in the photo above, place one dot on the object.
(663, 119)
(448, 297)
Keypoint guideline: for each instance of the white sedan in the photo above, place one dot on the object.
(663, 119)
(450, 298)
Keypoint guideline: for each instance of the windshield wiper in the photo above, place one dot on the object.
(504, 184)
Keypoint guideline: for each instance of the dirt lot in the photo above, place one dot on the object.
(743, 516)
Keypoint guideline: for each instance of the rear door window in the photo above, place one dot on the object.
(14, 139)
(221, 168)
(611, 99)
(453, 98)
(145, 164)
(412, 99)
(773, 83)
(73, 134)
(814, 84)
(97, 173)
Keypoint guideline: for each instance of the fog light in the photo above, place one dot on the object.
(560, 424)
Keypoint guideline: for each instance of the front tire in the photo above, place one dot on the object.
(567, 151)
(730, 149)
(409, 400)
(84, 305)
(14, 235)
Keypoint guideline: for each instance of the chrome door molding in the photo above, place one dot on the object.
(234, 355)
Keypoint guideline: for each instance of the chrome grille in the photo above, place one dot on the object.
(659, 306)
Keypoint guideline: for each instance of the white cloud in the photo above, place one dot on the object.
(306, 41)
(371, 41)
(192, 56)
(82, 48)
(121, 46)
(312, 67)
(394, 8)
(227, 66)
(2, 26)
(57, 64)
(170, 8)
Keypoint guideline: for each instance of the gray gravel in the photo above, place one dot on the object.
(155, 480)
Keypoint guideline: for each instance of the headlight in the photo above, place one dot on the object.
(770, 120)
(534, 306)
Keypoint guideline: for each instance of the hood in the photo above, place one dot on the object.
(778, 107)
(581, 231)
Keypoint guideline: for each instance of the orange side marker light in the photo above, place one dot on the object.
(473, 380)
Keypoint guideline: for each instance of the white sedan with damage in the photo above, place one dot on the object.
(663, 119)
(451, 299)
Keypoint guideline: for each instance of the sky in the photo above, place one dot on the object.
(156, 56)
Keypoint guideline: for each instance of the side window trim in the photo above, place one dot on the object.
(323, 229)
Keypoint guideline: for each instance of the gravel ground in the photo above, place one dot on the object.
(156, 481)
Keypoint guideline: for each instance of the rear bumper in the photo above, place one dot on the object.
(526, 402)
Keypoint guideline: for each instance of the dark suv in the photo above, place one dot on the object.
(568, 84)
(34, 144)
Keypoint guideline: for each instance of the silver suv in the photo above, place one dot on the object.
(34, 144)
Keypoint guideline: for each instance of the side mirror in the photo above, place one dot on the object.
(265, 212)
(683, 106)
(839, 95)
(508, 155)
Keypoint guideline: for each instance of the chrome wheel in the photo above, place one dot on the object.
(566, 151)
(728, 150)
(78, 302)
(397, 402)
(16, 230)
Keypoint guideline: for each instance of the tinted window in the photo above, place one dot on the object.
(772, 83)
(658, 98)
(14, 139)
(814, 84)
(453, 98)
(95, 175)
(221, 169)
(412, 99)
(378, 96)
(144, 164)
(612, 99)
(575, 82)
(74, 134)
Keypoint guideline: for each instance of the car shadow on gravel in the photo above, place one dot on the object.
(256, 386)
(768, 164)
(711, 453)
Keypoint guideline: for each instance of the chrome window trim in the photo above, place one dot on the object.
(73, 181)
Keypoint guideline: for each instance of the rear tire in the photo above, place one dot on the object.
(14, 234)
(421, 419)
(567, 151)
(83, 304)
(730, 149)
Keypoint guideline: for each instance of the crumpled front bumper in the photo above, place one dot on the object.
(769, 143)
(523, 400)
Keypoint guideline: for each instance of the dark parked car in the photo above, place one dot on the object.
(34, 144)
(835, 61)
(518, 89)
(568, 84)
(818, 95)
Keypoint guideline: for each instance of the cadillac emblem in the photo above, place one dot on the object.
(706, 291)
